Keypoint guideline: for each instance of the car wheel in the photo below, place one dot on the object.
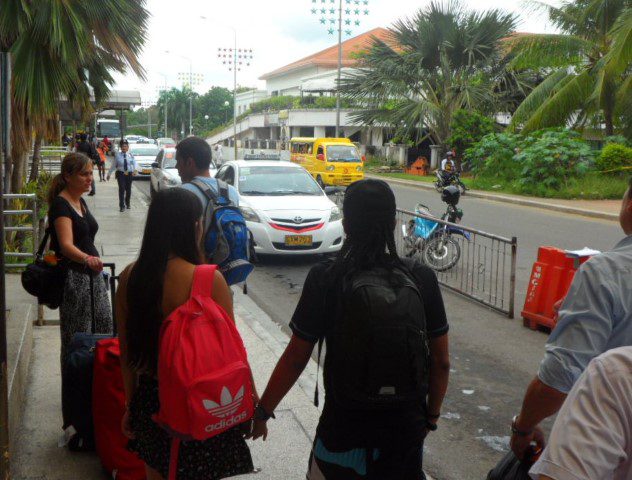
(320, 182)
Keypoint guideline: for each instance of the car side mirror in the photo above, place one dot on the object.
(320, 157)
(155, 165)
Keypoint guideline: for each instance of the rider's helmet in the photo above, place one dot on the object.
(450, 154)
(451, 195)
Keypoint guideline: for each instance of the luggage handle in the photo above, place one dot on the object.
(112, 282)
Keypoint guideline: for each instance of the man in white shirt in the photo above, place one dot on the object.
(592, 435)
(448, 167)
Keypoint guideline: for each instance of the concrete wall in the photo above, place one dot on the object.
(289, 83)
(244, 100)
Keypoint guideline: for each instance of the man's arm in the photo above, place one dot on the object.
(113, 164)
(439, 374)
(582, 333)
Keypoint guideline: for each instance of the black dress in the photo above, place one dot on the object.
(222, 456)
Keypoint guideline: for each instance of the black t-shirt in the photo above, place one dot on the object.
(84, 229)
(310, 323)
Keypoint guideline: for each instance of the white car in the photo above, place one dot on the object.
(285, 209)
(144, 154)
(164, 173)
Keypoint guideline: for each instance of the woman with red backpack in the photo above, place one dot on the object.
(164, 295)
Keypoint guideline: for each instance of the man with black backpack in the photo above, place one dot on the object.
(386, 363)
(226, 236)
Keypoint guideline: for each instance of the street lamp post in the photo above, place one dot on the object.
(226, 104)
(235, 59)
(166, 98)
(349, 14)
(190, 86)
(206, 118)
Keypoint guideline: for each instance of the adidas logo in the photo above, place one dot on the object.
(228, 404)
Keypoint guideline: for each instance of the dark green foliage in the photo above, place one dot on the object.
(493, 156)
(615, 159)
(468, 127)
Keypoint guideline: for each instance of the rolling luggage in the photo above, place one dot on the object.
(77, 380)
(108, 407)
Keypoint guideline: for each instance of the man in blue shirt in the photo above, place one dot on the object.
(596, 316)
(193, 161)
(125, 167)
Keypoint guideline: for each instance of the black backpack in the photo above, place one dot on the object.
(377, 347)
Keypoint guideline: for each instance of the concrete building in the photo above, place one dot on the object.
(312, 76)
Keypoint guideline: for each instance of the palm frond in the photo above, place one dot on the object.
(565, 102)
(539, 96)
(549, 51)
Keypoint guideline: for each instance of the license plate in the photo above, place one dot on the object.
(298, 241)
(146, 171)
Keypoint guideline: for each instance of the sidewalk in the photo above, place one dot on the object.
(37, 454)
(603, 209)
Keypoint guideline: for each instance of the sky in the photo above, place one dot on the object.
(278, 31)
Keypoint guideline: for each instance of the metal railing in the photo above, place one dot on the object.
(33, 228)
(485, 270)
(50, 159)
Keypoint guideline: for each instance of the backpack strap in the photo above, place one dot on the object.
(206, 189)
(223, 191)
(203, 280)
(42, 246)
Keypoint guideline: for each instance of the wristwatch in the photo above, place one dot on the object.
(520, 433)
(261, 414)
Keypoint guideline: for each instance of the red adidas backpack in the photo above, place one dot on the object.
(204, 380)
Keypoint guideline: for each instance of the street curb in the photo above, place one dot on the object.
(506, 199)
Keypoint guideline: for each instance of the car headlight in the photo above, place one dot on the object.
(330, 168)
(336, 214)
(249, 214)
(359, 168)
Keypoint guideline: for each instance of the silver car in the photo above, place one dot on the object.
(163, 172)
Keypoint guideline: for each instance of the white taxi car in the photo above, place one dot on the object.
(164, 173)
(144, 154)
(285, 209)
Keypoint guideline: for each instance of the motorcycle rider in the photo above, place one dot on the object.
(448, 167)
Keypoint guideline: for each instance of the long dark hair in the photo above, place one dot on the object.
(369, 210)
(71, 164)
(170, 231)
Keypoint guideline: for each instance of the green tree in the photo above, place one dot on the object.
(177, 105)
(212, 104)
(441, 60)
(468, 127)
(587, 66)
(64, 48)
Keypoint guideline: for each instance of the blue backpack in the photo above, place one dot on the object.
(226, 236)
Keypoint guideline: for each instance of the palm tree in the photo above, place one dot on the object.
(64, 49)
(441, 60)
(177, 102)
(587, 66)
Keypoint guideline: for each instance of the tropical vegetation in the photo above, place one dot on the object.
(587, 66)
(441, 60)
(64, 50)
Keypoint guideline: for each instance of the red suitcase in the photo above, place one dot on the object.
(108, 407)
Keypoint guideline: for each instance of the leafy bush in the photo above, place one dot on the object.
(468, 127)
(551, 158)
(614, 159)
(493, 156)
(620, 139)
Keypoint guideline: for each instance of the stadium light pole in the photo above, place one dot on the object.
(190, 86)
(349, 15)
(165, 89)
(235, 59)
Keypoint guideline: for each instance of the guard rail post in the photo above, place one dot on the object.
(512, 280)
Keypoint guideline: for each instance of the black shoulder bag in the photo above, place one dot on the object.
(46, 282)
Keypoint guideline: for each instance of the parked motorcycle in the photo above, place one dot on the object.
(431, 241)
(453, 178)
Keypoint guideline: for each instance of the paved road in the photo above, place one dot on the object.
(492, 358)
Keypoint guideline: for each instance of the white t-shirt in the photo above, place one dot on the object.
(444, 164)
(592, 434)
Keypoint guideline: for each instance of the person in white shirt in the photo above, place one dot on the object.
(592, 435)
(448, 167)
(219, 154)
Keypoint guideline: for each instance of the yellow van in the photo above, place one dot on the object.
(331, 161)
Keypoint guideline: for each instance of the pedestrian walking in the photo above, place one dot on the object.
(87, 148)
(592, 434)
(101, 150)
(125, 167)
(150, 289)
(73, 229)
(595, 316)
(386, 364)
(219, 154)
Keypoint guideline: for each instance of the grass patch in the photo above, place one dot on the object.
(592, 186)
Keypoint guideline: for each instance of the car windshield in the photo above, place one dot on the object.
(277, 180)
(343, 153)
(166, 140)
(145, 152)
(169, 160)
